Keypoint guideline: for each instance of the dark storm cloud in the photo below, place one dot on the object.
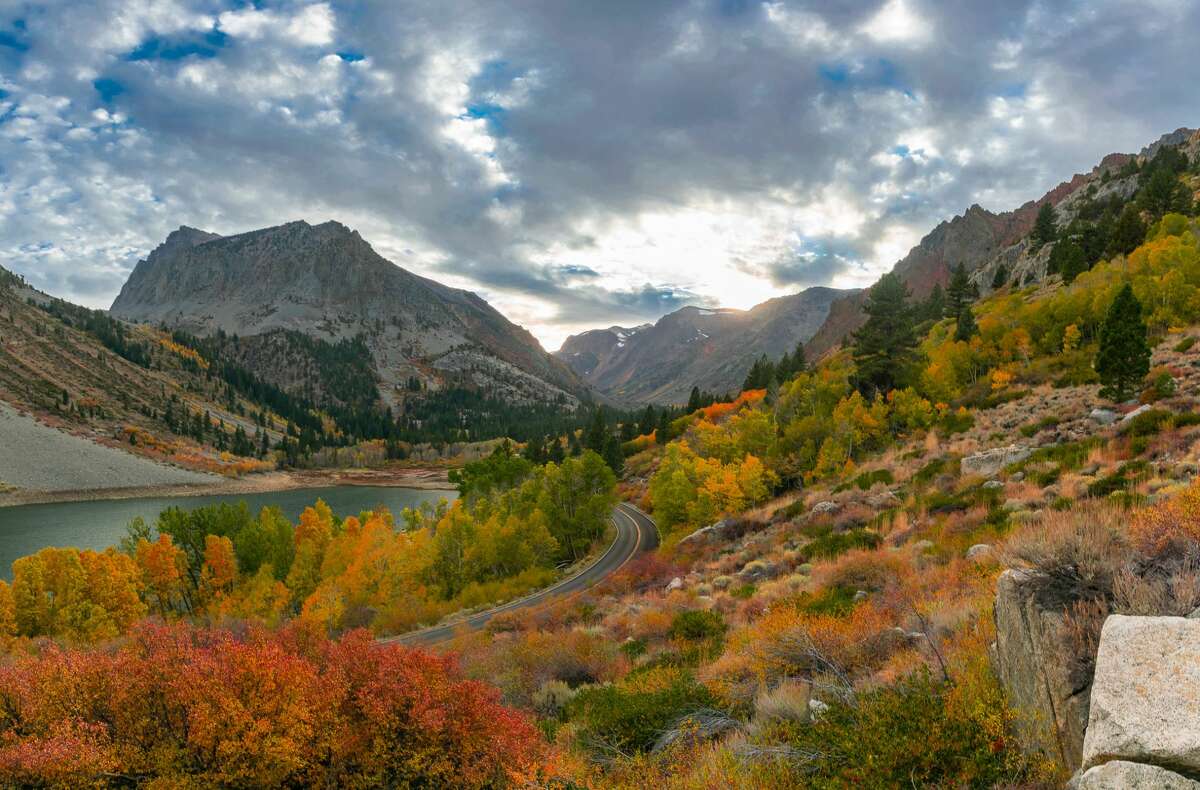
(503, 143)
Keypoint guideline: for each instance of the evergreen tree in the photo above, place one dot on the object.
(1045, 227)
(1000, 279)
(597, 433)
(934, 306)
(884, 346)
(966, 328)
(648, 422)
(799, 361)
(1123, 359)
(556, 453)
(960, 292)
(613, 455)
(1128, 233)
(1068, 259)
(693, 400)
(663, 429)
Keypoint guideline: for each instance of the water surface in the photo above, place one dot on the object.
(96, 525)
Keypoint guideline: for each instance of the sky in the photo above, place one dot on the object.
(578, 164)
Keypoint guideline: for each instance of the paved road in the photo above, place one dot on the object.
(636, 532)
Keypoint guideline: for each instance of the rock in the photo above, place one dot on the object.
(675, 584)
(1195, 614)
(1122, 775)
(1031, 655)
(756, 570)
(1140, 410)
(980, 552)
(989, 462)
(1104, 416)
(1145, 704)
(817, 708)
(824, 508)
(706, 534)
(861, 595)
(993, 485)
(1017, 477)
(1013, 505)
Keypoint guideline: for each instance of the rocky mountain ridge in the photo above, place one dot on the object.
(983, 241)
(326, 281)
(694, 346)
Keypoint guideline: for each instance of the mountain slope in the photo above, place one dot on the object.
(983, 241)
(690, 347)
(326, 282)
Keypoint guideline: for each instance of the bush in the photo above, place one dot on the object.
(1077, 554)
(1147, 423)
(1184, 345)
(697, 625)
(829, 544)
(629, 718)
(918, 733)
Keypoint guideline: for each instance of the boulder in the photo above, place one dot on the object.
(1140, 410)
(980, 552)
(1122, 775)
(990, 462)
(1104, 416)
(824, 508)
(707, 534)
(1030, 655)
(1145, 704)
(992, 485)
(675, 584)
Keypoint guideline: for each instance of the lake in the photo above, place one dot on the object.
(96, 525)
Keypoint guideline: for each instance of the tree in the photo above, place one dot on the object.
(1128, 233)
(1045, 227)
(693, 400)
(884, 346)
(662, 433)
(934, 306)
(1000, 279)
(1068, 259)
(966, 328)
(960, 292)
(1123, 359)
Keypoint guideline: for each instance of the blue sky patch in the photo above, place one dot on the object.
(351, 57)
(108, 89)
(167, 48)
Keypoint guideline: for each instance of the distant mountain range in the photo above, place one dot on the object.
(712, 349)
(271, 286)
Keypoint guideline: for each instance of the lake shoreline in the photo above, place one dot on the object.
(426, 479)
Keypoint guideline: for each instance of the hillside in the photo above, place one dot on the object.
(326, 282)
(983, 241)
(694, 347)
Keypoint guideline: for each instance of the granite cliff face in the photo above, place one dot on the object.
(712, 349)
(325, 281)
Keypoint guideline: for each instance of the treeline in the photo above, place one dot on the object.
(111, 333)
(514, 523)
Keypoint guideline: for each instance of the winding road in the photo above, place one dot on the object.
(636, 532)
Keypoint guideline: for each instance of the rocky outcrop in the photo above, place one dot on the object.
(990, 462)
(1145, 703)
(1122, 775)
(1030, 656)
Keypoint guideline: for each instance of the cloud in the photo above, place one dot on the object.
(575, 163)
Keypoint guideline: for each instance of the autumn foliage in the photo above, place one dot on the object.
(188, 707)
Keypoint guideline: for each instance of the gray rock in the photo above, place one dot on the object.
(707, 534)
(675, 584)
(1145, 407)
(1017, 477)
(989, 462)
(1122, 775)
(993, 485)
(861, 595)
(816, 708)
(1031, 655)
(980, 552)
(823, 508)
(1145, 704)
(1104, 416)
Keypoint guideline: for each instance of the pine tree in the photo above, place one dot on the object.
(693, 400)
(1128, 232)
(960, 292)
(613, 455)
(1045, 227)
(966, 328)
(884, 346)
(597, 433)
(934, 307)
(1067, 258)
(1123, 359)
(663, 430)
(1000, 279)
(648, 422)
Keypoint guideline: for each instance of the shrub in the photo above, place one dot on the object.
(629, 718)
(1077, 553)
(1147, 423)
(1184, 345)
(830, 544)
(697, 625)
(1170, 528)
(930, 470)
(918, 733)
